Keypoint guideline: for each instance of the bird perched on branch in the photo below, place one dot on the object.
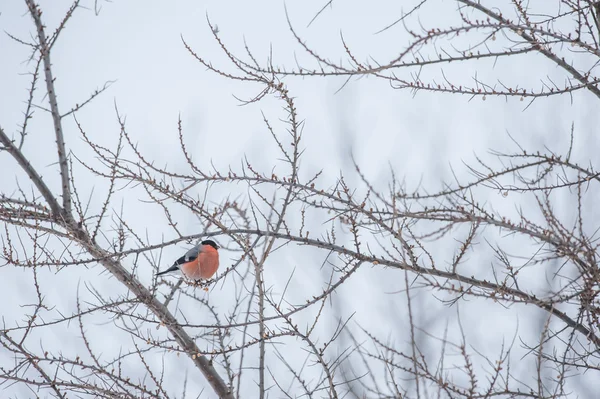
(199, 263)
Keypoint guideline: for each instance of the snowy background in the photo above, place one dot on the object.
(138, 45)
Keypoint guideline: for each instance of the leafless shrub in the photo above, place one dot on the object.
(293, 339)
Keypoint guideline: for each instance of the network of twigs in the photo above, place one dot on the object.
(395, 228)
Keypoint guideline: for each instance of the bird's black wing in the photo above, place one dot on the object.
(189, 256)
(180, 261)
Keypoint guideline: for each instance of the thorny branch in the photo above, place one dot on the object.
(272, 335)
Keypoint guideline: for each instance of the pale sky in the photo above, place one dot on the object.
(138, 45)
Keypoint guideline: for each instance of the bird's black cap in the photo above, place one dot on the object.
(211, 243)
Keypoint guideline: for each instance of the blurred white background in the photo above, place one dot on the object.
(138, 45)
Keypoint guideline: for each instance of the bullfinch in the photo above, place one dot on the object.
(199, 263)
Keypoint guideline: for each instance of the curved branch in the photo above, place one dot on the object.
(560, 62)
(60, 141)
(32, 173)
(141, 292)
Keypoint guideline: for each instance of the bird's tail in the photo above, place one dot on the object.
(169, 270)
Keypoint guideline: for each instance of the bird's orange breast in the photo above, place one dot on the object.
(203, 267)
(208, 262)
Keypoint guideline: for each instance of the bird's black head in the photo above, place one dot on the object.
(211, 243)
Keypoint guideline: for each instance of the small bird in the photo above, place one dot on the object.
(199, 263)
